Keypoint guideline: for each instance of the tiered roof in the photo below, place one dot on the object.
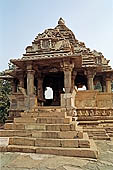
(61, 42)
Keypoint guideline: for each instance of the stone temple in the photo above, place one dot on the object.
(68, 122)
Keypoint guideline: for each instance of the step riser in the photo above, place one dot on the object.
(15, 133)
(80, 152)
(50, 143)
(95, 118)
(12, 126)
(44, 114)
(21, 149)
(43, 120)
(56, 127)
(54, 121)
(22, 141)
(43, 134)
(58, 135)
(77, 153)
(110, 135)
(97, 135)
(61, 127)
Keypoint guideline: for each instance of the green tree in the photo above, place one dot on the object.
(5, 90)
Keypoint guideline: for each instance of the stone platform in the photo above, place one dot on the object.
(48, 130)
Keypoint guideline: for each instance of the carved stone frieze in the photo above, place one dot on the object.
(94, 112)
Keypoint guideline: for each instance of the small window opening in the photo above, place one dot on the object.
(49, 93)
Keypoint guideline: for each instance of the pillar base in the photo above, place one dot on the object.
(67, 100)
(30, 102)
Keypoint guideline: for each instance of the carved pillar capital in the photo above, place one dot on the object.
(29, 66)
(32, 72)
(66, 66)
(90, 74)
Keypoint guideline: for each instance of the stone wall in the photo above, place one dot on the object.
(19, 101)
(93, 99)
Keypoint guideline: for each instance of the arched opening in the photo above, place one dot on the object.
(98, 83)
(53, 86)
(81, 82)
(48, 96)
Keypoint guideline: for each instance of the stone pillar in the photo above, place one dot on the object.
(108, 85)
(67, 99)
(103, 84)
(40, 88)
(68, 77)
(67, 81)
(90, 76)
(30, 82)
(21, 81)
(14, 86)
(90, 82)
(74, 73)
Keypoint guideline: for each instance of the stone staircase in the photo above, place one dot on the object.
(109, 128)
(96, 132)
(99, 127)
(48, 130)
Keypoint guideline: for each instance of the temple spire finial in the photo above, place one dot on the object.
(61, 21)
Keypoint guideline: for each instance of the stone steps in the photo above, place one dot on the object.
(74, 152)
(45, 142)
(98, 128)
(48, 131)
(96, 117)
(42, 134)
(96, 133)
(109, 130)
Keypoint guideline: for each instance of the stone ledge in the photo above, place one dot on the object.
(73, 152)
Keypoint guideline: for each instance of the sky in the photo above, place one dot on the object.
(21, 20)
